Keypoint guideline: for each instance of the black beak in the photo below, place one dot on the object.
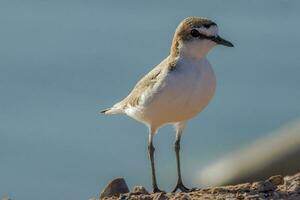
(222, 41)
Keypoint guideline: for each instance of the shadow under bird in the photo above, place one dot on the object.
(178, 88)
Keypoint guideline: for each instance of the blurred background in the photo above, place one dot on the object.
(62, 61)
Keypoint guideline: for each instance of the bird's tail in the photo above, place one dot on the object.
(112, 110)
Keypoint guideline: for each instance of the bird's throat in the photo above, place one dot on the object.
(195, 50)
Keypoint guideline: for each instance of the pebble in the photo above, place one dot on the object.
(139, 190)
(114, 188)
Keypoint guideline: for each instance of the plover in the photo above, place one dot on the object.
(178, 88)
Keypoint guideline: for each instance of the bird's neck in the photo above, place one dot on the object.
(191, 50)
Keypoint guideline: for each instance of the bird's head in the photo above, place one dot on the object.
(195, 36)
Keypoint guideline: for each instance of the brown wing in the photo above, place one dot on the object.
(147, 82)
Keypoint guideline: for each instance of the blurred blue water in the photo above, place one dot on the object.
(62, 61)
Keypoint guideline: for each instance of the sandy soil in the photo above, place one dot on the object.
(276, 187)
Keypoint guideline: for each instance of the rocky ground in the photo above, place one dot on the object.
(276, 187)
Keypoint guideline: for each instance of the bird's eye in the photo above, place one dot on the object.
(206, 25)
(195, 33)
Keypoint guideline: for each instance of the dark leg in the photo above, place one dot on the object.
(151, 156)
(179, 184)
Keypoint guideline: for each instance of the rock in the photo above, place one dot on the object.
(295, 187)
(275, 188)
(115, 188)
(263, 186)
(160, 196)
(276, 180)
(245, 187)
(139, 190)
(179, 196)
(292, 183)
(219, 190)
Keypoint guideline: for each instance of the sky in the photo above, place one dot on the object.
(63, 61)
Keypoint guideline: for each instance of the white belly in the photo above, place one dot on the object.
(185, 92)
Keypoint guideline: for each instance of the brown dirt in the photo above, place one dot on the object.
(276, 187)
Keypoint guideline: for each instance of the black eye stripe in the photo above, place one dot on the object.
(195, 33)
(206, 25)
(209, 25)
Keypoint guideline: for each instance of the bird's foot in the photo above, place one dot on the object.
(182, 188)
(157, 190)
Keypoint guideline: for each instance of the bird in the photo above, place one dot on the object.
(177, 89)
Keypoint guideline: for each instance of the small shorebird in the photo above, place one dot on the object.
(178, 88)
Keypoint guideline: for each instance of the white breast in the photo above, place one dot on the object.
(184, 93)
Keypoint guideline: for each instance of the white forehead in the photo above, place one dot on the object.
(212, 30)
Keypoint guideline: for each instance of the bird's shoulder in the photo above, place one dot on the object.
(149, 81)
